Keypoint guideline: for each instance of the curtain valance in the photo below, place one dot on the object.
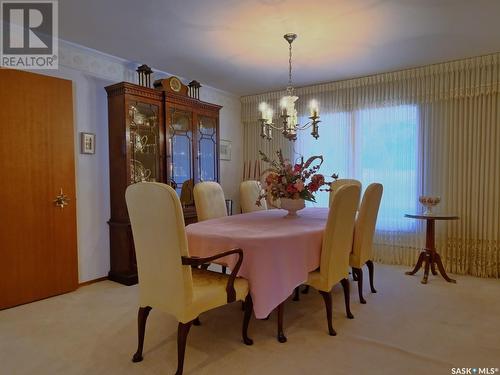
(452, 80)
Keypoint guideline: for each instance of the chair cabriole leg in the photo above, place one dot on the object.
(182, 333)
(359, 277)
(347, 298)
(281, 336)
(371, 272)
(246, 319)
(327, 297)
(142, 317)
(354, 275)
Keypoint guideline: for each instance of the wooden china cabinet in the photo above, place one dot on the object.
(160, 135)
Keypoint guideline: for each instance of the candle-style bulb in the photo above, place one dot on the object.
(269, 115)
(263, 109)
(314, 108)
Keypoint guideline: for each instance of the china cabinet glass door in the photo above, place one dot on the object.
(144, 142)
(181, 153)
(207, 148)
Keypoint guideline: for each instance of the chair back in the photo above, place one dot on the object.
(160, 240)
(365, 225)
(249, 192)
(187, 198)
(338, 235)
(209, 200)
(335, 185)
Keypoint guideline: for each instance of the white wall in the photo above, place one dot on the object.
(90, 72)
(231, 128)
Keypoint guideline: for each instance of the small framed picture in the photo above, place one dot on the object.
(87, 143)
(225, 149)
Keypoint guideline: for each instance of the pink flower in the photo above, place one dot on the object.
(291, 189)
(318, 179)
(312, 187)
(299, 185)
(297, 168)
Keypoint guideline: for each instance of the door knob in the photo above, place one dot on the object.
(61, 200)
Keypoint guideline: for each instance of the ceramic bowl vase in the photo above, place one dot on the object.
(292, 206)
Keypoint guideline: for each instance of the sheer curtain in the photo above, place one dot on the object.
(386, 145)
(433, 130)
(335, 146)
(375, 144)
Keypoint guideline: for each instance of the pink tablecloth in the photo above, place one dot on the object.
(278, 252)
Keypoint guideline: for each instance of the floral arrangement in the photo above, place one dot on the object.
(293, 181)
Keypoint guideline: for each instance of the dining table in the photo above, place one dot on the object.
(278, 251)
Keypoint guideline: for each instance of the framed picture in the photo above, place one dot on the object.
(87, 143)
(225, 149)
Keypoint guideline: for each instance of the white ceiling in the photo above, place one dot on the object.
(237, 45)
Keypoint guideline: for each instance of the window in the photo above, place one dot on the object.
(373, 145)
(334, 144)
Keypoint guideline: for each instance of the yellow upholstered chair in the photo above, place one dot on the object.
(337, 245)
(249, 192)
(209, 200)
(335, 185)
(363, 236)
(167, 281)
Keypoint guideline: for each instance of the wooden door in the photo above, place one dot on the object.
(38, 252)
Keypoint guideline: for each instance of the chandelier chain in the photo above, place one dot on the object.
(290, 65)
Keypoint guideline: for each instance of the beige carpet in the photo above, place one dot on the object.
(406, 328)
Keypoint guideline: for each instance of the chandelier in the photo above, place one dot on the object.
(288, 113)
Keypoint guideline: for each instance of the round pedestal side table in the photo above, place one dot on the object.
(430, 257)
